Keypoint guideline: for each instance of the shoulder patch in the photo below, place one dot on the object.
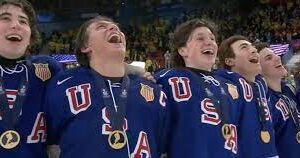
(42, 71)
(147, 92)
(232, 89)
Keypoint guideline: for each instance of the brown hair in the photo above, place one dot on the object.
(27, 8)
(82, 37)
(182, 33)
(260, 45)
(225, 50)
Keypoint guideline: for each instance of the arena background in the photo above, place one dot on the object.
(148, 25)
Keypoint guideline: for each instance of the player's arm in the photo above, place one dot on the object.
(135, 70)
(53, 151)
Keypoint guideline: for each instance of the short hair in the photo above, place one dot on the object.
(28, 9)
(182, 33)
(225, 50)
(82, 37)
(260, 45)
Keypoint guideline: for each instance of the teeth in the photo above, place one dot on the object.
(14, 37)
(208, 51)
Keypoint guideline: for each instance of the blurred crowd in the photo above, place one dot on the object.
(149, 41)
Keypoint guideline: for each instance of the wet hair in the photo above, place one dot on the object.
(182, 34)
(82, 38)
(225, 50)
(27, 8)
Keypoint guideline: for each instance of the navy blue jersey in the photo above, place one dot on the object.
(251, 144)
(77, 118)
(31, 125)
(282, 105)
(298, 98)
(196, 120)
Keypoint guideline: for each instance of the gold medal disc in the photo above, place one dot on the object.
(265, 136)
(298, 137)
(226, 132)
(117, 139)
(9, 139)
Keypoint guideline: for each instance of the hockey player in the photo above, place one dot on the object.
(240, 61)
(283, 107)
(203, 114)
(96, 110)
(22, 83)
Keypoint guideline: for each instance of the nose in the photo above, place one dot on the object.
(208, 41)
(113, 27)
(15, 24)
(253, 50)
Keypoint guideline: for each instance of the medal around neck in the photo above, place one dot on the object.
(226, 132)
(298, 137)
(117, 139)
(9, 139)
(265, 136)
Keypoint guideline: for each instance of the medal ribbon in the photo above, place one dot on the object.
(260, 108)
(115, 115)
(10, 117)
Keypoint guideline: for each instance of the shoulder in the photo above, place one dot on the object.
(43, 61)
(165, 74)
(140, 82)
(287, 87)
(261, 80)
(227, 75)
(71, 77)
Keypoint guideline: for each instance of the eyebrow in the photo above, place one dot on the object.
(9, 14)
(5, 13)
(201, 34)
(244, 44)
(269, 55)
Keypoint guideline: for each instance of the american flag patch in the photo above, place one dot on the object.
(147, 92)
(42, 71)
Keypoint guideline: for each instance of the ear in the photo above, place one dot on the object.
(85, 49)
(230, 62)
(182, 51)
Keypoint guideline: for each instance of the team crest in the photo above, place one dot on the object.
(232, 89)
(147, 92)
(42, 71)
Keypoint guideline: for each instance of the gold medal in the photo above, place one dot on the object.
(298, 137)
(265, 136)
(117, 139)
(226, 131)
(9, 139)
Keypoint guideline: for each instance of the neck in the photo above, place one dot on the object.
(274, 83)
(208, 69)
(10, 62)
(108, 68)
(249, 78)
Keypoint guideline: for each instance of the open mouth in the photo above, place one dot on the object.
(208, 52)
(14, 38)
(279, 66)
(254, 60)
(115, 38)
